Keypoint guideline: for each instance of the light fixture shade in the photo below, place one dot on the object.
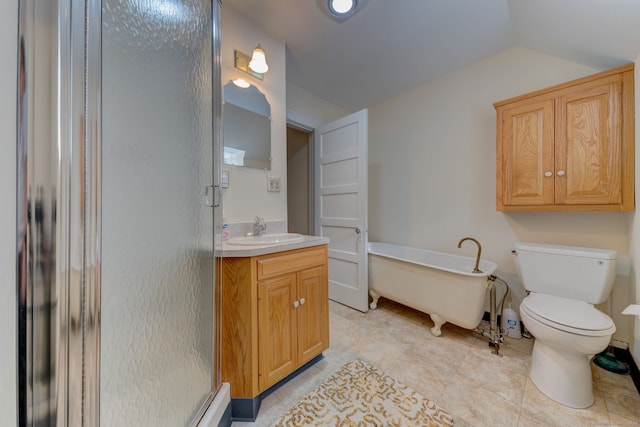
(258, 60)
(241, 83)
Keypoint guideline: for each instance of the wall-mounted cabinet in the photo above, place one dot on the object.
(275, 317)
(569, 147)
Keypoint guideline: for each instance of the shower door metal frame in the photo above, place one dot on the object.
(70, 385)
(58, 218)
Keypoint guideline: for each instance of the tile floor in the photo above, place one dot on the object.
(457, 370)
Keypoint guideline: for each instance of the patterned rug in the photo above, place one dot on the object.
(361, 395)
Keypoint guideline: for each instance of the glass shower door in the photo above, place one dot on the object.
(157, 328)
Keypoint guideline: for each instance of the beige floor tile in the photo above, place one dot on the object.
(455, 370)
(621, 401)
(619, 421)
(510, 358)
(622, 382)
(426, 376)
(477, 406)
(539, 407)
(494, 376)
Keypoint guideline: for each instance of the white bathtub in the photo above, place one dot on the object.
(437, 283)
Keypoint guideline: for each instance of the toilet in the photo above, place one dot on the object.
(564, 283)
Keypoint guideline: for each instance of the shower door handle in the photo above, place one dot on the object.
(217, 196)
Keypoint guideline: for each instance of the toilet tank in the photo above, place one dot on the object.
(584, 274)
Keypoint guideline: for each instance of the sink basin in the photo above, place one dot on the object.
(267, 239)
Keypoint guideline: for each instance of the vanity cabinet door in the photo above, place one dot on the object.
(313, 313)
(277, 329)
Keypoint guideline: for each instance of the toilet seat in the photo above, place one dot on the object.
(565, 314)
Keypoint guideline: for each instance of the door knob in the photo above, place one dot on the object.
(560, 173)
(296, 304)
(301, 301)
(548, 174)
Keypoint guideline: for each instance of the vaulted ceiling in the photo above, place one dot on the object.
(390, 46)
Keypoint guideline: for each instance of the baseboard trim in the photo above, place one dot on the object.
(226, 420)
(246, 409)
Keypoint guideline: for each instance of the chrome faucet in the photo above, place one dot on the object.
(259, 227)
(475, 269)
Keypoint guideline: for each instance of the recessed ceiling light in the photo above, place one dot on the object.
(342, 8)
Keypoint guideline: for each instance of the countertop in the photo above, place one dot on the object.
(234, 251)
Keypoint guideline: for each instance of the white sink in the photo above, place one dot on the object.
(267, 239)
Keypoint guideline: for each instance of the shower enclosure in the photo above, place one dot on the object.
(118, 143)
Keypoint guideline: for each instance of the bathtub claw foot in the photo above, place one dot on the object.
(376, 296)
(438, 322)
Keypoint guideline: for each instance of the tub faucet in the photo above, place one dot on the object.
(259, 227)
(475, 269)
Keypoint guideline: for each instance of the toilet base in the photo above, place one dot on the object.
(563, 377)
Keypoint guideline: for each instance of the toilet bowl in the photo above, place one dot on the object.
(568, 333)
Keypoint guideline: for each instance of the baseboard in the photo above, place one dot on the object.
(226, 420)
(624, 355)
(246, 409)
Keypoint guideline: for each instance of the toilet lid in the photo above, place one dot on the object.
(569, 315)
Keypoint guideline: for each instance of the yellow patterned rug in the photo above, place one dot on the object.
(361, 395)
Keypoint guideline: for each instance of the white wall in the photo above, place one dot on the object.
(307, 109)
(247, 194)
(432, 168)
(8, 79)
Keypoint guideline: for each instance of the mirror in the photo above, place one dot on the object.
(246, 117)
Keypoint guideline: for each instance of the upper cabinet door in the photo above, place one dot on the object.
(569, 147)
(588, 143)
(528, 153)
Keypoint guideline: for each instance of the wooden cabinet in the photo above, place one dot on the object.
(569, 147)
(275, 316)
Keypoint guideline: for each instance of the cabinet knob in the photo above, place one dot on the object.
(560, 173)
(296, 304)
(301, 301)
(548, 174)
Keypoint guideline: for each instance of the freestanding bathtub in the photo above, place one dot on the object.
(437, 283)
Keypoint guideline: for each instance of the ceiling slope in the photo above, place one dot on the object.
(390, 46)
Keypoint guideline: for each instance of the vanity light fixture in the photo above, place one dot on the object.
(241, 83)
(256, 65)
(259, 60)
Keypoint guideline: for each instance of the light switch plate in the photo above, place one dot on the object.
(273, 183)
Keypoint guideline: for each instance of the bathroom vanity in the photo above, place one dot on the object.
(275, 315)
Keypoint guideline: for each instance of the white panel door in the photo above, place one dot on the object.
(341, 205)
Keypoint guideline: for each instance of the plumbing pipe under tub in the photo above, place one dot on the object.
(495, 332)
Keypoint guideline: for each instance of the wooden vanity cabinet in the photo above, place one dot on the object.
(569, 147)
(275, 317)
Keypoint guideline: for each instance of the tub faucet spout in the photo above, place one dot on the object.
(475, 269)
